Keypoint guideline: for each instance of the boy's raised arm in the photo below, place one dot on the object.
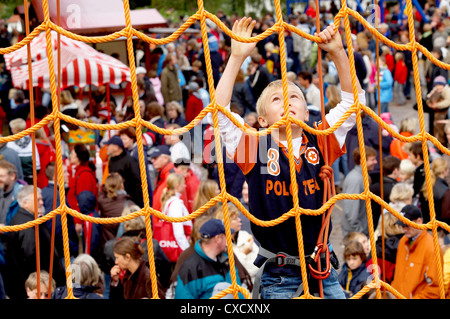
(239, 52)
(332, 43)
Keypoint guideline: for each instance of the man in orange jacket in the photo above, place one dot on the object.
(416, 273)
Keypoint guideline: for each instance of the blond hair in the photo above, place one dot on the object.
(272, 86)
(44, 277)
(174, 105)
(173, 180)
(333, 95)
(408, 124)
(407, 167)
(113, 183)
(390, 226)
(18, 124)
(137, 223)
(66, 97)
(232, 211)
(439, 165)
(401, 192)
(206, 191)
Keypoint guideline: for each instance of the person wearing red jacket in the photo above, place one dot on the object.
(83, 179)
(46, 155)
(160, 159)
(194, 104)
(390, 61)
(400, 75)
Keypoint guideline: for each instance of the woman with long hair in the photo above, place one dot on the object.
(207, 189)
(130, 276)
(438, 173)
(112, 200)
(173, 206)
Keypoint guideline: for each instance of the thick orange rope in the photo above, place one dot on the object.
(331, 198)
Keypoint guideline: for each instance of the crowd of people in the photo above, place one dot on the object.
(111, 260)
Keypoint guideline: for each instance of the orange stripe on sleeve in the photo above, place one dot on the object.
(246, 152)
(333, 147)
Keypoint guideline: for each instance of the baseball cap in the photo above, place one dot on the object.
(116, 140)
(159, 150)
(213, 227)
(410, 212)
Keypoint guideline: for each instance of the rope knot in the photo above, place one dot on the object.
(326, 172)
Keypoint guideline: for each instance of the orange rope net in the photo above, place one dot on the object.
(279, 27)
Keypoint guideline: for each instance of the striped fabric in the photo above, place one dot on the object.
(81, 64)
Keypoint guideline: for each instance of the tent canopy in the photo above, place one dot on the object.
(89, 17)
(81, 64)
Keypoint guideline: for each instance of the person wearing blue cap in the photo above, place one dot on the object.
(127, 166)
(206, 272)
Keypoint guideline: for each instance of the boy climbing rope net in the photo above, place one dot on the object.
(264, 160)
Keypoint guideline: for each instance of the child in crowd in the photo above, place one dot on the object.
(361, 238)
(354, 272)
(386, 85)
(400, 74)
(31, 285)
(406, 171)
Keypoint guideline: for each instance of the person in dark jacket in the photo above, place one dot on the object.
(111, 202)
(86, 280)
(13, 157)
(48, 196)
(354, 272)
(20, 247)
(128, 167)
(391, 168)
(92, 232)
(371, 138)
(392, 235)
(128, 136)
(136, 282)
(242, 94)
(439, 171)
(215, 57)
(154, 113)
(135, 228)
(259, 76)
(175, 114)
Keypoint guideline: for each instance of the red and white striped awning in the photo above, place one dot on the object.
(81, 64)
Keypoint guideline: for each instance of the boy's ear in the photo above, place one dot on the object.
(262, 121)
(306, 115)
